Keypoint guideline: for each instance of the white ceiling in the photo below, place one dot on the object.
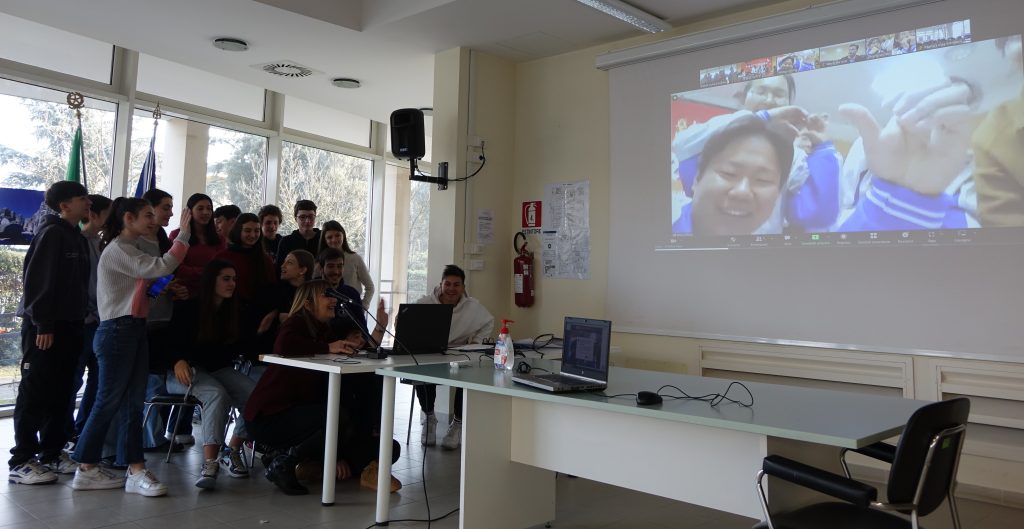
(389, 45)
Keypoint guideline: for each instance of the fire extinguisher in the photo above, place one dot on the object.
(522, 268)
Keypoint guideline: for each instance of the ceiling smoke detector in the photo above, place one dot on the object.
(230, 44)
(290, 69)
(345, 82)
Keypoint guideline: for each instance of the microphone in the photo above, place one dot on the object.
(378, 352)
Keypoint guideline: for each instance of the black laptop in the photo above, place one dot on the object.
(585, 356)
(421, 329)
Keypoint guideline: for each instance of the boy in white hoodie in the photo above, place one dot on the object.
(471, 323)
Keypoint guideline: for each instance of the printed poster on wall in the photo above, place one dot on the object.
(566, 233)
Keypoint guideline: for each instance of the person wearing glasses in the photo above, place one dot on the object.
(306, 237)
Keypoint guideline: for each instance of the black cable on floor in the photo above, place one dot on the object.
(426, 499)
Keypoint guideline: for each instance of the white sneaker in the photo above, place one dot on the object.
(96, 478)
(144, 483)
(62, 465)
(208, 476)
(429, 434)
(31, 473)
(453, 439)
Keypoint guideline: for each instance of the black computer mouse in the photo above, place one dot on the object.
(647, 398)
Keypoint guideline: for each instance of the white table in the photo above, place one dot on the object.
(337, 365)
(514, 439)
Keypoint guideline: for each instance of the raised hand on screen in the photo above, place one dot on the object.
(924, 159)
(793, 117)
(813, 133)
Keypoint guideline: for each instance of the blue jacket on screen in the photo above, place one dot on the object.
(889, 206)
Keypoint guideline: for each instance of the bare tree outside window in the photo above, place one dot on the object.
(339, 184)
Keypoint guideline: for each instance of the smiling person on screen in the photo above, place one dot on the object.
(741, 173)
(810, 201)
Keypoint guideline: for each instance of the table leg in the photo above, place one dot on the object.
(496, 492)
(387, 433)
(331, 438)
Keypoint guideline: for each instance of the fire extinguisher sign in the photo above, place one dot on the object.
(532, 217)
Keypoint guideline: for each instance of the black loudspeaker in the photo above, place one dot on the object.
(407, 142)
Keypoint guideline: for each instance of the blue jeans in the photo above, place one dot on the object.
(153, 430)
(123, 360)
(87, 359)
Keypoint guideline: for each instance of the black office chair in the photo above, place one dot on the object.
(923, 473)
(174, 400)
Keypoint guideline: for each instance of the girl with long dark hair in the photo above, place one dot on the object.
(208, 338)
(204, 243)
(122, 278)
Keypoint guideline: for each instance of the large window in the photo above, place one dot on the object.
(338, 183)
(236, 168)
(35, 141)
(403, 271)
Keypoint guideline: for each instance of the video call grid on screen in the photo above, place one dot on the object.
(948, 99)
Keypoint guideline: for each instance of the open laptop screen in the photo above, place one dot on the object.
(586, 348)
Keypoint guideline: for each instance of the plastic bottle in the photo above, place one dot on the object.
(504, 354)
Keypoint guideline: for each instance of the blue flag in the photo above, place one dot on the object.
(147, 179)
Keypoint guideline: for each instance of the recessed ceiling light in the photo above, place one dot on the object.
(229, 44)
(345, 82)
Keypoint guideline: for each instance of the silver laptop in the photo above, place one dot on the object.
(585, 353)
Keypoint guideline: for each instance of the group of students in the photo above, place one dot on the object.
(92, 300)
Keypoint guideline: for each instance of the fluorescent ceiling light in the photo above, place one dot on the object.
(630, 14)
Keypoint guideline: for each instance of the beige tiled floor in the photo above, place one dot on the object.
(255, 502)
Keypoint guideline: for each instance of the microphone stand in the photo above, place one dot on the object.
(378, 352)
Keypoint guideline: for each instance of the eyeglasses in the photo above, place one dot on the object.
(306, 217)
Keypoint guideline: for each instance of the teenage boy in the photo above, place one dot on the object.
(158, 324)
(224, 219)
(307, 237)
(56, 296)
(471, 323)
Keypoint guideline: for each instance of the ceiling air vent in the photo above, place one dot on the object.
(286, 69)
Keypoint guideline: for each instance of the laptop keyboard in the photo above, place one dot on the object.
(562, 379)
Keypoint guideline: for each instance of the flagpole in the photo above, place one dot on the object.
(76, 101)
(156, 121)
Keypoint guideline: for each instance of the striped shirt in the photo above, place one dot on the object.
(124, 272)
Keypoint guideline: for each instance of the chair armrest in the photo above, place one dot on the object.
(820, 480)
(880, 451)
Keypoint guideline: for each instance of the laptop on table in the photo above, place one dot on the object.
(585, 353)
(421, 329)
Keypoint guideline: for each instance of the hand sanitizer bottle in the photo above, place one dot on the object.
(504, 354)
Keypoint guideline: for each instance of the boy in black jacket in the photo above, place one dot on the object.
(56, 282)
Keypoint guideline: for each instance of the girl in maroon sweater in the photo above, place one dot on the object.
(256, 284)
(288, 408)
(204, 244)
